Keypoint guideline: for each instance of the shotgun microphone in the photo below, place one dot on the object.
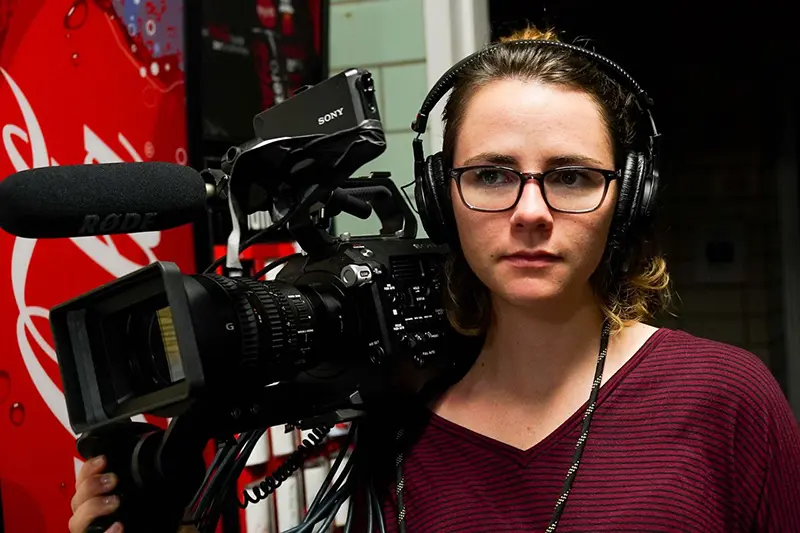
(101, 199)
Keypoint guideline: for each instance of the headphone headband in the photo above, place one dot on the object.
(445, 82)
(639, 168)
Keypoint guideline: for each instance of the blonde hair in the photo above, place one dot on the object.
(624, 298)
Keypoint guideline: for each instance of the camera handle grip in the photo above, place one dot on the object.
(117, 442)
(102, 523)
(380, 191)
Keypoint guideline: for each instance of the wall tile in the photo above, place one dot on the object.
(404, 89)
(398, 160)
(370, 33)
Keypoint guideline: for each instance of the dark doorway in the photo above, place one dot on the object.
(723, 82)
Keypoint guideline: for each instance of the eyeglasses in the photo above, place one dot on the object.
(565, 189)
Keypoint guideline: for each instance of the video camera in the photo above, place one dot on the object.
(347, 327)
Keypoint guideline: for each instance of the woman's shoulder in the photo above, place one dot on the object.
(690, 351)
(698, 350)
(712, 369)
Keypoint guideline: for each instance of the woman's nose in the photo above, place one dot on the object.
(532, 210)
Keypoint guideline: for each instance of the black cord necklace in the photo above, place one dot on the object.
(576, 460)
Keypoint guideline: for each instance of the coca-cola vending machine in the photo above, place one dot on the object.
(100, 81)
(81, 81)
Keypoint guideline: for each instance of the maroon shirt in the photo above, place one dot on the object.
(689, 435)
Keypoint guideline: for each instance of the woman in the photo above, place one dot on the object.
(686, 433)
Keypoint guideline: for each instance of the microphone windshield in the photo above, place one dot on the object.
(100, 199)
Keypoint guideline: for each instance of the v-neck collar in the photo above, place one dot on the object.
(571, 424)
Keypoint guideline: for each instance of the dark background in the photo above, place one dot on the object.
(227, 87)
(723, 78)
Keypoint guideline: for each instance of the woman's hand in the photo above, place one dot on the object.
(91, 499)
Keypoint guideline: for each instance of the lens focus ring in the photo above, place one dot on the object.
(286, 321)
(248, 323)
(276, 324)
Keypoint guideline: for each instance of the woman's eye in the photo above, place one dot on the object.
(492, 177)
(576, 178)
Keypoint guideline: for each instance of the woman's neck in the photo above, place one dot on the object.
(531, 355)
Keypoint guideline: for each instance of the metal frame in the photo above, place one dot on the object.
(454, 29)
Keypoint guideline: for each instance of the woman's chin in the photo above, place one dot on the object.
(531, 293)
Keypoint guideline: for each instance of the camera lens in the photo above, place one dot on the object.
(279, 324)
(153, 356)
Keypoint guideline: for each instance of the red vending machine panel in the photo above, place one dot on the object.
(81, 81)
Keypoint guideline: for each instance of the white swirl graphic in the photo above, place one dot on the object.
(101, 250)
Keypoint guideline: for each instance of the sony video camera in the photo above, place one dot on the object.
(346, 327)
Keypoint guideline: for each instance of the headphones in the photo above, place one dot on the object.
(638, 178)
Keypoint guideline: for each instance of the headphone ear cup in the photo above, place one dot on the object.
(433, 200)
(628, 202)
(422, 197)
(649, 193)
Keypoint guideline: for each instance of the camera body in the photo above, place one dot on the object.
(347, 328)
(352, 322)
(326, 337)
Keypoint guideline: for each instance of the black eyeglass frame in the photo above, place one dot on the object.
(538, 177)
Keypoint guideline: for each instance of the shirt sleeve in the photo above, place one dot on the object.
(778, 508)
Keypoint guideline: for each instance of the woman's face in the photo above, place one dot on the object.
(533, 127)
